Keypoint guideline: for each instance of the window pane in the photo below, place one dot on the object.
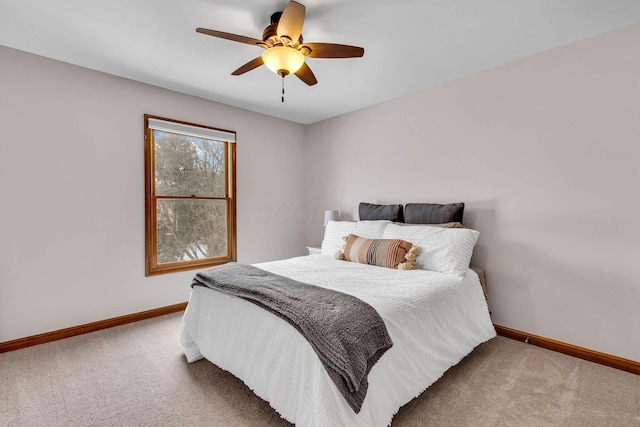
(189, 166)
(191, 229)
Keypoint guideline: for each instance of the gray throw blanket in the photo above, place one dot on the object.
(348, 335)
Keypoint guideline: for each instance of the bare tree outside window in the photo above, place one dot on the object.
(190, 201)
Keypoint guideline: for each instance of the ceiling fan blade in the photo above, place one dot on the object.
(306, 75)
(254, 63)
(291, 21)
(331, 50)
(232, 37)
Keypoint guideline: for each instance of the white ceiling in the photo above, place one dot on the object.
(409, 44)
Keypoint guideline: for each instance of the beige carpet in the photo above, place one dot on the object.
(136, 375)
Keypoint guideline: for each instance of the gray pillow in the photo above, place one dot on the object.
(373, 212)
(432, 213)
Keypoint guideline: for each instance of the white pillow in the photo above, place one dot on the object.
(336, 230)
(446, 250)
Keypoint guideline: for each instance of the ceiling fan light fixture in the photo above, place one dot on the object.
(283, 60)
(285, 52)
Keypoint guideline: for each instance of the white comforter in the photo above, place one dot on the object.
(434, 320)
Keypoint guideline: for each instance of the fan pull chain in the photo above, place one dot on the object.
(283, 88)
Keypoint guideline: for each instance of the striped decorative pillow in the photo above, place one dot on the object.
(390, 253)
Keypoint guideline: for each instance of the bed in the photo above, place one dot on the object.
(434, 318)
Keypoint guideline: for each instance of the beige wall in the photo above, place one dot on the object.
(72, 195)
(545, 151)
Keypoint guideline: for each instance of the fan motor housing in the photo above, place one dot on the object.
(270, 31)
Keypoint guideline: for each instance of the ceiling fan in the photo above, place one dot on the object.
(285, 50)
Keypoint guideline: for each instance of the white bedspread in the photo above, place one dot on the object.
(433, 319)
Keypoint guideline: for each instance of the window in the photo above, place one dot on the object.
(190, 195)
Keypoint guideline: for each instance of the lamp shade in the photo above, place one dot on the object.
(331, 216)
(282, 59)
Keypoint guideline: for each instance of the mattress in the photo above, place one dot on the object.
(434, 320)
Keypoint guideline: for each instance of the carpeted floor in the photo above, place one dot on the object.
(136, 375)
